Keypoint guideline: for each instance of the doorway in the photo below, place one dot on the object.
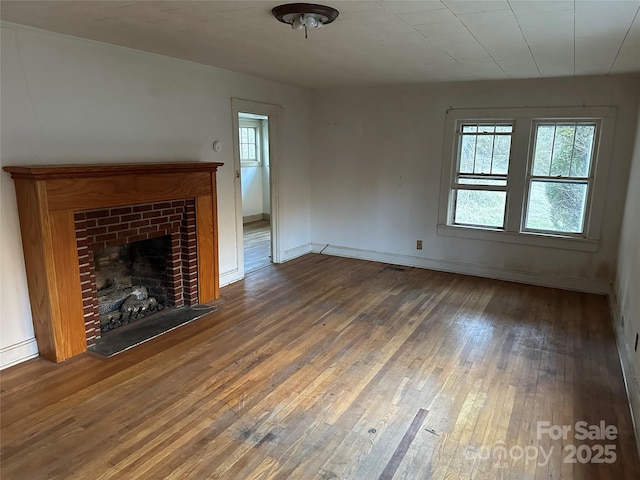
(256, 165)
(253, 147)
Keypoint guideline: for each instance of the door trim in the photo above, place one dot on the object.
(274, 112)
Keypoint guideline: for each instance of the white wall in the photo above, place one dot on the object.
(252, 197)
(376, 177)
(626, 299)
(66, 100)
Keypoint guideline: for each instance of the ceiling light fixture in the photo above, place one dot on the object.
(305, 15)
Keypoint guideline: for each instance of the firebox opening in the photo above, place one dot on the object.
(132, 281)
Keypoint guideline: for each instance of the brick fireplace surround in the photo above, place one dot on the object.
(108, 227)
(66, 210)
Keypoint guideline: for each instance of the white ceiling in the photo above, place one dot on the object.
(370, 43)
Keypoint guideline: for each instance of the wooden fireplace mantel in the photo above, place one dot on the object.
(47, 198)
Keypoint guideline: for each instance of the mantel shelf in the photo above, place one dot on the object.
(44, 172)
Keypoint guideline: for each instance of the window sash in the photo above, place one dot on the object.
(587, 180)
(482, 178)
(250, 150)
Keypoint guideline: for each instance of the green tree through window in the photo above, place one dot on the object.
(560, 176)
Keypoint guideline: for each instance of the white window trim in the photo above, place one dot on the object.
(519, 167)
(258, 125)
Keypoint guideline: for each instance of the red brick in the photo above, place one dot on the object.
(119, 227)
(139, 223)
(149, 229)
(162, 226)
(108, 220)
(120, 210)
(152, 214)
(84, 224)
(137, 238)
(131, 217)
(106, 237)
(142, 208)
(92, 232)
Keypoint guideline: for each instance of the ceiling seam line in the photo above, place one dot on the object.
(525, 39)
(479, 43)
(623, 40)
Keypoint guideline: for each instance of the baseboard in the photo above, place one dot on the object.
(296, 252)
(628, 374)
(229, 277)
(255, 218)
(486, 271)
(18, 352)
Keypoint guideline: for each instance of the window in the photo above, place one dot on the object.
(479, 190)
(560, 176)
(250, 141)
(526, 175)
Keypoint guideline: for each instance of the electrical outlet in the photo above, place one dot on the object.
(419, 244)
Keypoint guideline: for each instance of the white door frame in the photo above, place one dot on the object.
(274, 113)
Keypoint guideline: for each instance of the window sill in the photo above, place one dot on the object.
(250, 163)
(550, 241)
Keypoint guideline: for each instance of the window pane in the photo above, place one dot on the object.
(556, 206)
(252, 135)
(501, 151)
(542, 152)
(484, 154)
(479, 207)
(583, 150)
(243, 135)
(244, 152)
(252, 152)
(562, 150)
(467, 153)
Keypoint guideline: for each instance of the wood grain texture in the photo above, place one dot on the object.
(67, 280)
(257, 245)
(110, 191)
(48, 172)
(214, 213)
(207, 269)
(332, 368)
(39, 265)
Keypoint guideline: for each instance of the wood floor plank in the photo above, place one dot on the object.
(316, 369)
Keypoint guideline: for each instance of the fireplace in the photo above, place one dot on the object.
(66, 218)
(150, 246)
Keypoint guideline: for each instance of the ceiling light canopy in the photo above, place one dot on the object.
(305, 15)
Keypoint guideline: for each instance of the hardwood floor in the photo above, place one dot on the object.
(257, 245)
(333, 368)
